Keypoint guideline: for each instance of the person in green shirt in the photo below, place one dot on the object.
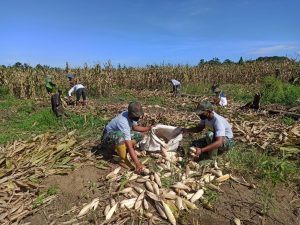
(49, 84)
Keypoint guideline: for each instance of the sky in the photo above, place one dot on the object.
(143, 32)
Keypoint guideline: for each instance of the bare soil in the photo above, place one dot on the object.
(87, 182)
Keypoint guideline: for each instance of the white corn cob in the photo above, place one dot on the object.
(197, 195)
(149, 186)
(169, 214)
(157, 179)
(155, 188)
(223, 178)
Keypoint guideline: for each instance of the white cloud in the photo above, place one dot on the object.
(272, 49)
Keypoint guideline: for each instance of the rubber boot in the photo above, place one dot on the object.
(122, 153)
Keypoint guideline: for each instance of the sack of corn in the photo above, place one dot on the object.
(162, 138)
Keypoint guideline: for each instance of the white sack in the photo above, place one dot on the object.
(162, 138)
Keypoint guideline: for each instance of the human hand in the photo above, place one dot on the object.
(184, 130)
(140, 168)
(198, 152)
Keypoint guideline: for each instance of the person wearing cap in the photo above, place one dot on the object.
(176, 87)
(220, 98)
(214, 86)
(80, 91)
(123, 132)
(220, 139)
(70, 77)
(50, 86)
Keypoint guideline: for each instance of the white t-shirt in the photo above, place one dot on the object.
(220, 126)
(223, 101)
(75, 88)
(121, 123)
(175, 82)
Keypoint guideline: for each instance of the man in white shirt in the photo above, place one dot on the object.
(79, 89)
(123, 132)
(221, 137)
(220, 97)
(176, 87)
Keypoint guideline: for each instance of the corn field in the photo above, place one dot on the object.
(29, 82)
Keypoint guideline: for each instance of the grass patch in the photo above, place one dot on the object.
(41, 197)
(4, 91)
(240, 93)
(237, 92)
(196, 89)
(29, 120)
(277, 91)
(248, 160)
(287, 120)
(269, 170)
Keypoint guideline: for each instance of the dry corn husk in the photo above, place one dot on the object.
(134, 176)
(125, 190)
(106, 210)
(128, 203)
(113, 173)
(92, 205)
(218, 173)
(111, 211)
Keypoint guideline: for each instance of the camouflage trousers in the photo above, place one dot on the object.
(208, 139)
(112, 139)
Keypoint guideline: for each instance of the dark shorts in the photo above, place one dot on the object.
(176, 89)
(81, 92)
